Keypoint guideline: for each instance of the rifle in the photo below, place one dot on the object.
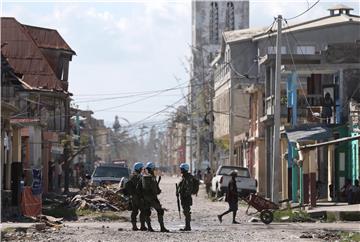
(158, 182)
(177, 198)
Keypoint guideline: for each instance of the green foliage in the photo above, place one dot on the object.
(283, 100)
(331, 217)
(349, 236)
(84, 140)
(84, 212)
(291, 215)
(222, 144)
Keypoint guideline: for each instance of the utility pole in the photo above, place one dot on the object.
(191, 132)
(231, 123)
(276, 142)
(211, 123)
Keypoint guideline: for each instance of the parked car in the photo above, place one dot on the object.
(109, 173)
(244, 182)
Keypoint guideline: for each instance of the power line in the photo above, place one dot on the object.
(308, 9)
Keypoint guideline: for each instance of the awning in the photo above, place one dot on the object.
(309, 133)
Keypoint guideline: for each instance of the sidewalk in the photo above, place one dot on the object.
(336, 211)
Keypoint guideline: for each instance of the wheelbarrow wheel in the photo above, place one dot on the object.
(266, 216)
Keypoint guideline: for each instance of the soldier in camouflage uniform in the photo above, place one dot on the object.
(135, 197)
(185, 190)
(150, 189)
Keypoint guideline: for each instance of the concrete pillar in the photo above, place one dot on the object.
(16, 145)
(306, 177)
(312, 176)
(284, 170)
(331, 171)
(8, 161)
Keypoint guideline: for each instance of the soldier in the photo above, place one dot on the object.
(187, 187)
(135, 196)
(150, 189)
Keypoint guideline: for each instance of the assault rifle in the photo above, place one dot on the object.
(177, 198)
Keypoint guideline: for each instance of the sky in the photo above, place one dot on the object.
(127, 48)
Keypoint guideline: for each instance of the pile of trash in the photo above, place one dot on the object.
(100, 198)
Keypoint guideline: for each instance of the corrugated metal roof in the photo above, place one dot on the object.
(48, 38)
(316, 23)
(309, 132)
(26, 58)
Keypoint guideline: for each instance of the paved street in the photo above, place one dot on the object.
(205, 225)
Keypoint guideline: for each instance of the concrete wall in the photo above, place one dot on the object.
(35, 146)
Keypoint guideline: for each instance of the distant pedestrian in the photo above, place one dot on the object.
(208, 176)
(198, 175)
(232, 197)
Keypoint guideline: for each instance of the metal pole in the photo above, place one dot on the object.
(231, 123)
(211, 115)
(276, 147)
(191, 136)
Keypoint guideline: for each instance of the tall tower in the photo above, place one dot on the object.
(209, 20)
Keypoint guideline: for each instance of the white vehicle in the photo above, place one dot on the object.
(245, 184)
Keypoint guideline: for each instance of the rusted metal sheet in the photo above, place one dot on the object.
(25, 57)
(48, 38)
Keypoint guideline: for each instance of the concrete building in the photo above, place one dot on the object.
(209, 20)
(234, 68)
(315, 62)
(40, 57)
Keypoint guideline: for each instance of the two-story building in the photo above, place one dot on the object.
(40, 57)
(319, 77)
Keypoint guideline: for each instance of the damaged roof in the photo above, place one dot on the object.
(48, 38)
(26, 58)
(242, 34)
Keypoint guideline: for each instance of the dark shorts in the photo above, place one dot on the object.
(233, 205)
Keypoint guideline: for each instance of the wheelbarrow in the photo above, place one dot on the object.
(262, 205)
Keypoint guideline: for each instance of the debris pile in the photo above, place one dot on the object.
(100, 198)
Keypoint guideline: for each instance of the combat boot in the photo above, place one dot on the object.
(187, 224)
(143, 227)
(162, 226)
(149, 228)
(134, 227)
(163, 229)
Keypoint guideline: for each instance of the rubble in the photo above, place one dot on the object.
(100, 198)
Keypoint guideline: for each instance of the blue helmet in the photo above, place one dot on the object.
(138, 166)
(184, 166)
(150, 165)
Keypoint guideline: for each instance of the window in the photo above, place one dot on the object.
(272, 50)
(230, 19)
(214, 23)
(305, 50)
